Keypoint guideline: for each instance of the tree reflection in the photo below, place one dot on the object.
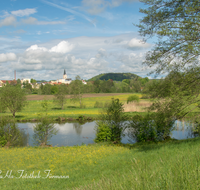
(78, 128)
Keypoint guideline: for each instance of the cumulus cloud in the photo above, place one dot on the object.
(24, 12)
(84, 56)
(62, 47)
(35, 47)
(7, 57)
(101, 53)
(8, 21)
(136, 43)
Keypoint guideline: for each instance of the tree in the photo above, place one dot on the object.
(76, 88)
(13, 98)
(112, 118)
(60, 97)
(177, 26)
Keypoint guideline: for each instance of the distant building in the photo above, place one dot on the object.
(26, 80)
(64, 80)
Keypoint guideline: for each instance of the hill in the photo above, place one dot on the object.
(114, 76)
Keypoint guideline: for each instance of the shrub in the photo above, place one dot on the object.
(152, 127)
(133, 98)
(98, 104)
(142, 129)
(113, 117)
(103, 132)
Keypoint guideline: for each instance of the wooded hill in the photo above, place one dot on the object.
(114, 76)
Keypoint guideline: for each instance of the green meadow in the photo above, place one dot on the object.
(166, 165)
(71, 109)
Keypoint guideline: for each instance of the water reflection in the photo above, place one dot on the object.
(78, 128)
(70, 134)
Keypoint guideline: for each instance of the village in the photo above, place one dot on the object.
(35, 84)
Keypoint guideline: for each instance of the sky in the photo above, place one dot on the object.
(41, 38)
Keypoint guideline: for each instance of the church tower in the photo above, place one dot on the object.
(64, 75)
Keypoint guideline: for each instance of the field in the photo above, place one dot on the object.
(168, 165)
(73, 110)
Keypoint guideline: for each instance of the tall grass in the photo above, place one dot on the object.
(171, 165)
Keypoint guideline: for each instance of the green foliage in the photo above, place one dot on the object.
(54, 89)
(98, 104)
(45, 105)
(142, 129)
(113, 76)
(151, 127)
(103, 132)
(10, 135)
(60, 97)
(176, 24)
(113, 117)
(43, 131)
(76, 90)
(133, 98)
(13, 98)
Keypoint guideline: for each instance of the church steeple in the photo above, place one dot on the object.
(64, 75)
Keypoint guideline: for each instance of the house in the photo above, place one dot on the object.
(26, 80)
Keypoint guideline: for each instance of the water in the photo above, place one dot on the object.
(70, 134)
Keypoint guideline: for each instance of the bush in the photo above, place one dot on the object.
(133, 98)
(103, 132)
(152, 127)
(98, 104)
(142, 129)
(113, 117)
(144, 96)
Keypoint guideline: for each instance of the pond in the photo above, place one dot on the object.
(70, 134)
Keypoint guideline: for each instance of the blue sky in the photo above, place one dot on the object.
(41, 38)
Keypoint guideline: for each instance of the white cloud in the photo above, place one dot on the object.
(7, 57)
(62, 47)
(35, 47)
(24, 12)
(136, 43)
(8, 21)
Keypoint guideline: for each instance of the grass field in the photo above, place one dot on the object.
(168, 165)
(71, 109)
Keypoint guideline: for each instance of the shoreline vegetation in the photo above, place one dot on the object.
(73, 112)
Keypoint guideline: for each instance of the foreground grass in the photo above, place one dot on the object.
(170, 165)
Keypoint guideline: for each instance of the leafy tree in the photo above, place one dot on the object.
(33, 81)
(13, 98)
(113, 117)
(176, 24)
(60, 97)
(76, 88)
(43, 131)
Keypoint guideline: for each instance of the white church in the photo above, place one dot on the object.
(64, 80)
